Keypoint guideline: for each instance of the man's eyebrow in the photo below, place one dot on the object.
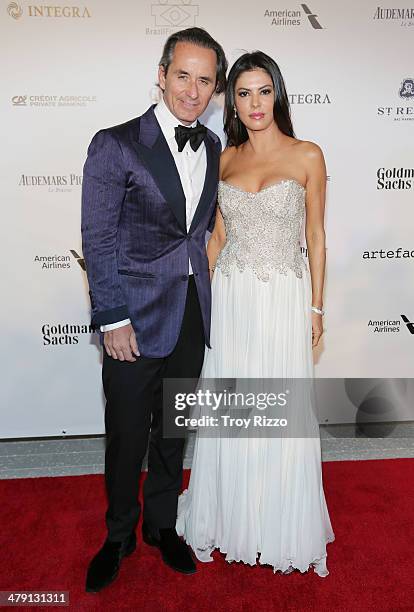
(184, 72)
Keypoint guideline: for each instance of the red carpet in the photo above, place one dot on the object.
(50, 528)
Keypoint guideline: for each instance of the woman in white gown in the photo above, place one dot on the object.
(262, 499)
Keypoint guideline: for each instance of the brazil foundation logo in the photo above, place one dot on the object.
(170, 15)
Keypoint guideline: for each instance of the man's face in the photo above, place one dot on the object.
(190, 81)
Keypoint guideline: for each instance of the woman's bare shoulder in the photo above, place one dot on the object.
(309, 150)
(225, 158)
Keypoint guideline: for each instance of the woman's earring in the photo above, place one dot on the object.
(235, 113)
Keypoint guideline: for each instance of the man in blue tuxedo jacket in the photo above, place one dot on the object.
(148, 198)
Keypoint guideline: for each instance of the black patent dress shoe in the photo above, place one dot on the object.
(174, 551)
(104, 567)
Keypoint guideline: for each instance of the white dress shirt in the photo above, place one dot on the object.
(191, 166)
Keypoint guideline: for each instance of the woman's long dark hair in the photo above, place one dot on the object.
(234, 128)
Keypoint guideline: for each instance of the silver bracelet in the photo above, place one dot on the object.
(317, 310)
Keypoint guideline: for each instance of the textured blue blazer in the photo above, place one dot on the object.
(135, 241)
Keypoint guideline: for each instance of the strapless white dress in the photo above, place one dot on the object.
(259, 499)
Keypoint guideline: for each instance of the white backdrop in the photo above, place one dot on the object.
(69, 70)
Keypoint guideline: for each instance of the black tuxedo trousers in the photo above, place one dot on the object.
(133, 422)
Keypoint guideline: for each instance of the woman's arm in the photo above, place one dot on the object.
(314, 230)
(216, 242)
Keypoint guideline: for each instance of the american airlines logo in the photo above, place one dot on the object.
(291, 17)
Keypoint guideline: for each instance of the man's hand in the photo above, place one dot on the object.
(121, 343)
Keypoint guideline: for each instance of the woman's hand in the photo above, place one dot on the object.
(317, 328)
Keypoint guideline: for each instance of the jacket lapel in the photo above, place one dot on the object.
(156, 155)
(210, 182)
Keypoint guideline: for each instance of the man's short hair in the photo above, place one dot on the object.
(201, 38)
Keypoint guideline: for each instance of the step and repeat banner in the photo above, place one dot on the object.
(70, 68)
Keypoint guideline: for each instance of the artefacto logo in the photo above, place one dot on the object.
(398, 253)
(48, 11)
(14, 10)
(293, 18)
(395, 178)
(174, 14)
(44, 101)
(406, 91)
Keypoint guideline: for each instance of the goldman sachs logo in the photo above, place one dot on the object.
(62, 334)
(16, 11)
(395, 178)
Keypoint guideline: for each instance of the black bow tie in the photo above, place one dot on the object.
(194, 134)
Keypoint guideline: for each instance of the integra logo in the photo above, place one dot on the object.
(63, 334)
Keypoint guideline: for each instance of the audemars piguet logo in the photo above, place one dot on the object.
(404, 16)
(56, 183)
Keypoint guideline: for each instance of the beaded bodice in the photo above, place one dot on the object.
(263, 229)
